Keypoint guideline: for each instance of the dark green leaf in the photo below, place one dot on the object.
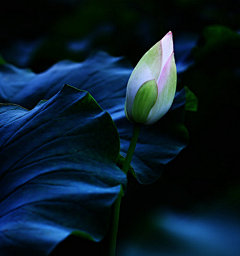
(191, 100)
(218, 44)
(2, 61)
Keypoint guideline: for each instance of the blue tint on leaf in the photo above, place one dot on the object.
(58, 172)
(105, 77)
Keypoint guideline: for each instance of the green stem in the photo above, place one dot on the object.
(117, 203)
(131, 148)
(114, 226)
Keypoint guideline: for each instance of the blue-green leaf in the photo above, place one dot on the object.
(58, 172)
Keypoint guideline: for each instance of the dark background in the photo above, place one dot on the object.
(193, 208)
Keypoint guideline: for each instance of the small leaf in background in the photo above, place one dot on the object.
(58, 172)
(215, 41)
(105, 77)
(191, 100)
(2, 61)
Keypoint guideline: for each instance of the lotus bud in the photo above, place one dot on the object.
(152, 84)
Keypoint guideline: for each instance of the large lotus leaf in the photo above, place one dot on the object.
(105, 77)
(58, 172)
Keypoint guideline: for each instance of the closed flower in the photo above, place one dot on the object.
(152, 84)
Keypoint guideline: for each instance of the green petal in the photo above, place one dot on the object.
(144, 101)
